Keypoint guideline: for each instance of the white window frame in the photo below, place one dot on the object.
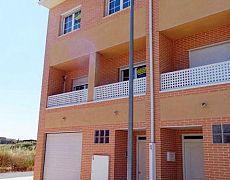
(126, 67)
(222, 133)
(121, 7)
(66, 14)
(85, 84)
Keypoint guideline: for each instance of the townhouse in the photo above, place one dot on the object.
(181, 90)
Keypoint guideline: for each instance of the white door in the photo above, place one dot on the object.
(141, 158)
(63, 156)
(193, 160)
(100, 167)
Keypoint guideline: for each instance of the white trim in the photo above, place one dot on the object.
(183, 148)
(122, 68)
(121, 7)
(109, 15)
(137, 154)
(71, 10)
(66, 14)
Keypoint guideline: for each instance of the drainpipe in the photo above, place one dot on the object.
(152, 152)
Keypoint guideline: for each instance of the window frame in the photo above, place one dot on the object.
(121, 7)
(104, 136)
(84, 83)
(65, 15)
(222, 134)
(126, 67)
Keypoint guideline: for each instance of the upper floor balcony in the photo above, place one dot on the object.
(212, 74)
(95, 78)
(192, 57)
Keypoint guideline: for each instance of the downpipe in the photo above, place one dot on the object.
(152, 148)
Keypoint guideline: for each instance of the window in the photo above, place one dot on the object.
(80, 84)
(139, 72)
(72, 22)
(117, 5)
(211, 54)
(221, 133)
(101, 137)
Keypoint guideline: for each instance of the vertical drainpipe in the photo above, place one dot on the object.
(152, 151)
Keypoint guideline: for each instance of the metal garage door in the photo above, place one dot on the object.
(63, 156)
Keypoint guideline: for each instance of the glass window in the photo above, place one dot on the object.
(221, 133)
(101, 136)
(126, 3)
(72, 22)
(77, 20)
(217, 135)
(68, 24)
(117, 5)
(80, 83)
(226, 133)
(139, 72)
(80, 87)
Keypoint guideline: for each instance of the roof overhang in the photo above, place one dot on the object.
(50, 3)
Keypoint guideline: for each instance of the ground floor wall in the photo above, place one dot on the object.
(216, 155)
(115, 149)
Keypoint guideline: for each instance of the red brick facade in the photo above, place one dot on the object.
(169, 54)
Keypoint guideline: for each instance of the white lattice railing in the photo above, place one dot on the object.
(70, 98)
(120, 89)
(198, 76)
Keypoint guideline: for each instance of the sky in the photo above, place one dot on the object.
(22, 45)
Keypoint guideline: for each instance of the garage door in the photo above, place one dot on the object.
(63, 156)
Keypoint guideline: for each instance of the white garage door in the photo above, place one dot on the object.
(63, 156)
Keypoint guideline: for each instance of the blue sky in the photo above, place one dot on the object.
(22, 43)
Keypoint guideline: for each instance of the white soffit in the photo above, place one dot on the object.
(50, 3)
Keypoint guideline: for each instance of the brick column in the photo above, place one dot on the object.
(92, 76)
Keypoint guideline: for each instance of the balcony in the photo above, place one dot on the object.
(120, 89)
(105, 92)
(66, 99)
(207, 75)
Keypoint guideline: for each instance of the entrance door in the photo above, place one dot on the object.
(141, 157)
(193, 158)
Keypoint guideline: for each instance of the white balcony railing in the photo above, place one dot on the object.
(70, 98)
(195, 77)
(120, 89)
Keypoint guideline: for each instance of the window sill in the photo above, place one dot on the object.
(110, 15)
(63, 35)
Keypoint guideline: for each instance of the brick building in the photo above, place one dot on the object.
(181, 87)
